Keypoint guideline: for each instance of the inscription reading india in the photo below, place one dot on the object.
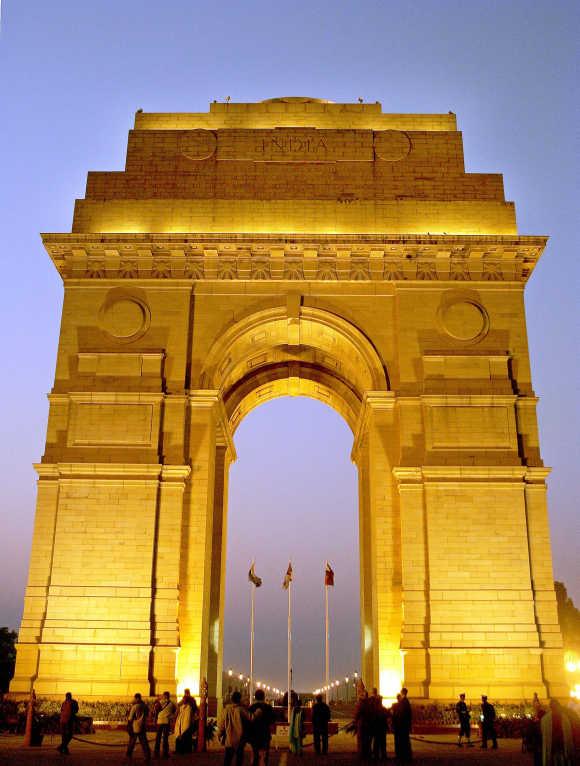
(292, 145)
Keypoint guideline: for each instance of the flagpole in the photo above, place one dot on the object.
(252, 600)
(289, 648)
(326, 643)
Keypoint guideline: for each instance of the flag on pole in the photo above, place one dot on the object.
(253, 577)
(288, 577)
(329, 575)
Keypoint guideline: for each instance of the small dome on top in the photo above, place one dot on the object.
(296, 100)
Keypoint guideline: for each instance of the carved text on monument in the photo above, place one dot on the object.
(292, 145)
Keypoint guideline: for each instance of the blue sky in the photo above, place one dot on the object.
(73, 73)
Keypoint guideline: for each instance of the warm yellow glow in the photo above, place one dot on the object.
(188, 682)
(368, 638)
(575, 693)
(389, 685)
(571, 667)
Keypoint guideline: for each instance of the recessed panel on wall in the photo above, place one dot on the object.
(106, 423)
(474, 423)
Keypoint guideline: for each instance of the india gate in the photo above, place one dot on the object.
(292, 247)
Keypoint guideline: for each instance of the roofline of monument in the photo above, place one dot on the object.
(524, 240)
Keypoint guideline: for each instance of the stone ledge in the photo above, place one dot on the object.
(360, 258)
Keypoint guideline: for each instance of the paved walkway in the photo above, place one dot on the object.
(109, 748)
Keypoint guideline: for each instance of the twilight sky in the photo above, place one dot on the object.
(71, 76)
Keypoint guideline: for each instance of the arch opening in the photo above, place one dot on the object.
(292, 496)
(300, 351)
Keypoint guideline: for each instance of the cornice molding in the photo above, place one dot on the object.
(458, 474)
(349, 257)
(119, 471)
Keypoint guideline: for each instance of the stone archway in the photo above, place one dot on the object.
(292, 246)
(302, 351)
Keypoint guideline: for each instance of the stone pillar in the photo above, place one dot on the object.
(165, 595)
(36, 594)
(380, 545)
(224, 456)
(203, 538)
(415, 580)
(545, 606)
(483, 635)
(101, 611)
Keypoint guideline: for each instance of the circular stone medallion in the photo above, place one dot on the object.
(124, 319)
(464, 320)
(197, 144)
(392, 145)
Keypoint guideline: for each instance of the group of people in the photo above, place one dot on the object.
(165, 712)
(239, 726)
(373, 720)
(487, 722)
(549, 735)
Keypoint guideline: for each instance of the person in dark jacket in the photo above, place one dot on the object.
(68, 714)
(402, 722)
(260, 732)
(464, 721)
(487, 723)
(320, 719)
(379, 727)
(363, 717)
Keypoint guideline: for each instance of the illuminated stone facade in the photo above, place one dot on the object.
(292, 247)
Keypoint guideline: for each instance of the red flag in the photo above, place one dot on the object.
(329, 575)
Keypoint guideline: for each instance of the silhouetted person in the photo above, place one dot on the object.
(363, 717)
(231, 729)
(293, 699)
(464, 721)
(402, 722)
(137, 727)
(320, 719)
(165, 712)
(487, 723)
(68, 714)
(557, 739)
(260, 732)
(379, 727)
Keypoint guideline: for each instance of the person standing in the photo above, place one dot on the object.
(185, 724)
(320, 719)
(405, 721)
(363, 718)
(557, 737)
(68, 714)
(260, 729)
(487, 723)
(137, 727)
(464, 721)
(296, 733)
(379, 727)
(165, 713)
(232, 729)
